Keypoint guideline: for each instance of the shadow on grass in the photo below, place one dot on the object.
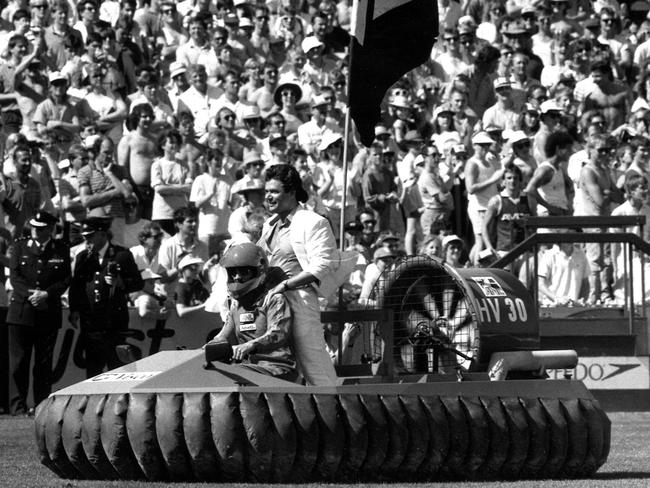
(621, 475)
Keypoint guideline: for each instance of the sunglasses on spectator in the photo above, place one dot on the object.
(452, 38)
(219, 38)
(521, 145)
(155, 236)
(278, 122)
(271, 72)
(228, 117)
(605, 150)
(262, 17)
(40, 7)
(369, 222)
(607, 20)
(167, 11)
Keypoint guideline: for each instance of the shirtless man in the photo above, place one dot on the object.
(191, 152)
(598, 191)
(136, 152)
(263, 96)
(611, 97)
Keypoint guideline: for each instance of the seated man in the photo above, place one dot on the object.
(191, 293)
(258, 326)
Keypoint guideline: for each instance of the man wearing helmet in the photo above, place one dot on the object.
(257, 329)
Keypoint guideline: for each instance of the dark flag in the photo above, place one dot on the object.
(391, 37)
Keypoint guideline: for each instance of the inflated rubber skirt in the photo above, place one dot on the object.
(166, 417)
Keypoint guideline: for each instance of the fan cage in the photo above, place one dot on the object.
(434, 322)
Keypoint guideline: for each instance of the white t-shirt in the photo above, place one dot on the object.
(165, 172)
(214, 214)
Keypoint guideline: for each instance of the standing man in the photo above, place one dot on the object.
(40, 273)
(104, 275)
(136, 152)
(598, 191)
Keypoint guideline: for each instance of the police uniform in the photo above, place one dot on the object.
(103, 308)
(35, 266)
(269, 327)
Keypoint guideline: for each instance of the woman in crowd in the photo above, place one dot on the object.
(170, 182)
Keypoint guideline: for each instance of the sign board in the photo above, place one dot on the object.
(134, 376)
(609, 373)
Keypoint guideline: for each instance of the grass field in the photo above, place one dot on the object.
(628, 465)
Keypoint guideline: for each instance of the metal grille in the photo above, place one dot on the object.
(434, 329)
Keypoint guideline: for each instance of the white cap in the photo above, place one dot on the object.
(309, 43)
(64, 163)
(189, 260)
(517, 136)
(177, 68)
(245, 22)
(328, 139)
(550, 106)
(57, 76)
(482, 138)
(451, 238)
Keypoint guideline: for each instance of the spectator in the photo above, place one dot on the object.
(598, 191)
(104, 188)
(435, 191)
(145, 254)
(9, 109)
(311, 133)
(253, 194)
(550, 188)
(181, 244)
(199, 99)
(23, 193)
(454, 252)
(148, 301)
(136, 152)
(562, 275)
(636, 190)
(379, 189)
(56, 112)
(383, 259)
(191, 293)
(501, 231)
(170, 182)
(210, 194)
(482, 174)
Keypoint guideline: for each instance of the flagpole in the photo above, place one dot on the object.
(344, 200)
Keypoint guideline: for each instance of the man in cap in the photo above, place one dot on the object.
(482, 174)
(40, 274)
(253, 166)
(503, 113)
(310, 134)
(252, 193)
(179, 83)
(104, 275)
(56, 112)
(550, 118)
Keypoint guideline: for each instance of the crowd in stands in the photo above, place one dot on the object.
(164, 116)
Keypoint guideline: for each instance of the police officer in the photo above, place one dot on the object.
(39, 273)
(103, 277)
(257, 327)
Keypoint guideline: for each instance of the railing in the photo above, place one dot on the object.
(632, 241)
